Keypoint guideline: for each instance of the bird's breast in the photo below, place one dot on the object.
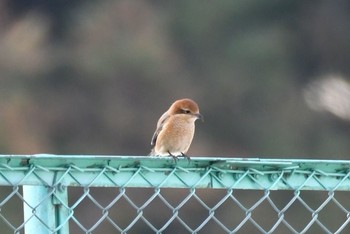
(176, 136)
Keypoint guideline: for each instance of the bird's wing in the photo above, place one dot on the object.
(160, 125)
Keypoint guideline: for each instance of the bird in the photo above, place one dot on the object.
(175, 129)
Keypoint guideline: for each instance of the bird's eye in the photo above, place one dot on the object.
(186, 111)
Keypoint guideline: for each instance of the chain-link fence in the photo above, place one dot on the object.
(121, 194)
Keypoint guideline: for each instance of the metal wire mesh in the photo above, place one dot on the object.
(116, 194)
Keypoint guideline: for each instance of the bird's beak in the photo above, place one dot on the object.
(199, 116)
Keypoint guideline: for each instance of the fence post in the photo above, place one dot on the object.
(62, 212)
(39, 211)
(41, 214)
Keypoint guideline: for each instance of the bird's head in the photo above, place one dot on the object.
(187, 107)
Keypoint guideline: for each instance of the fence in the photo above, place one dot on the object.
(129, 194)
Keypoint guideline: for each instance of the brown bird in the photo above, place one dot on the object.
(175, 129)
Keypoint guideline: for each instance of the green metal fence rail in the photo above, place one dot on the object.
(136, 194)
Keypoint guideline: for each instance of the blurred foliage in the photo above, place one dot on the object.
(93, 77)
(88, 77)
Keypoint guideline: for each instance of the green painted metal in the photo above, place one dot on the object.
(200, 172)
(62, 212)
(45, 179)
(39, 212)
(46, 209)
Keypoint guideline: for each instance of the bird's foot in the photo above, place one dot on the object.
(186, 156)
(173, 156)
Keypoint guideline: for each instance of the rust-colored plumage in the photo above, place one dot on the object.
(175, 129)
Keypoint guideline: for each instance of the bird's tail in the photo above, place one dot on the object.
(152, 153)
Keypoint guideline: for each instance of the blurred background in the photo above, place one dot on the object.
(272, 78)
(84, 77)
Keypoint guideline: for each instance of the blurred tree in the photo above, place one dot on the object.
(100, 71)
